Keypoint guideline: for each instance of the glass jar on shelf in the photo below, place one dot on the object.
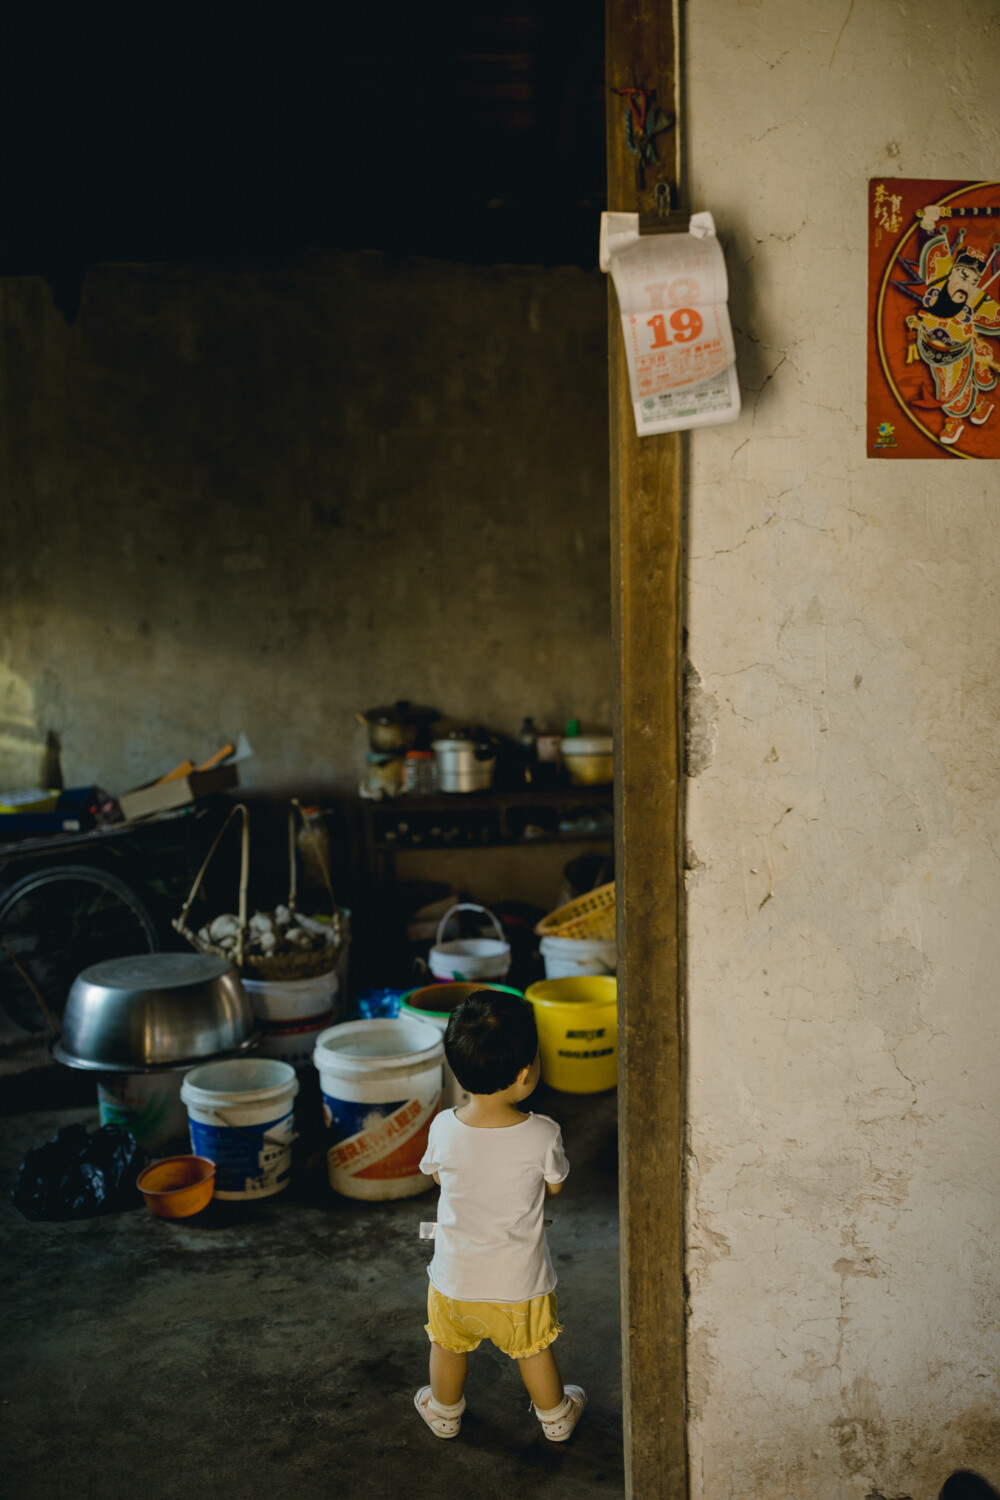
(420, 772)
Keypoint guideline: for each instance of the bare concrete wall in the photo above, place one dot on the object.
(844, 1211)
(260, 500)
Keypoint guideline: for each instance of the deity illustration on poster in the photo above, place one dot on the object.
(934, 318)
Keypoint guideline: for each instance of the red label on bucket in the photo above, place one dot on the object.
(391, 1148)
(297, 1027)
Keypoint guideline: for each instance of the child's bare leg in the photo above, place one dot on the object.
(540, 1373)
(448, 1371)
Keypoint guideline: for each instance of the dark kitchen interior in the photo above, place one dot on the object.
(305, 417)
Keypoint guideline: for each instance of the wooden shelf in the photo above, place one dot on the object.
(486, 820)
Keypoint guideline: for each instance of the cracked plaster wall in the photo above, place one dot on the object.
(844, 827)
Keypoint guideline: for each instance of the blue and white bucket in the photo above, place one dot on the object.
(241, 1116)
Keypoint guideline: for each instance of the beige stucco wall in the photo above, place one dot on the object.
(261, 499)
(844, 833)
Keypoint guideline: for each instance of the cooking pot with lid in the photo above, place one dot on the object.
(467, 760)
(399, 726)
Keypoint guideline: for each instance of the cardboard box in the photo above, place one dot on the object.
(160, 796)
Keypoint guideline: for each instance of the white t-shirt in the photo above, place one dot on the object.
(490, 1245)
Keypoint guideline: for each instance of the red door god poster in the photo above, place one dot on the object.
(933, 318)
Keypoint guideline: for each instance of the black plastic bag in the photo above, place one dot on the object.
(76, 1175)
(965, 1485)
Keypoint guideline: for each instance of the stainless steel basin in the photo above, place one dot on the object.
(157, 1010)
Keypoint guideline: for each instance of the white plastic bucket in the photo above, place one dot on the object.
(469, 958)
(381, 1083)
(292, 1013)
(241, 1117)
(147, 1104)
(565, 958)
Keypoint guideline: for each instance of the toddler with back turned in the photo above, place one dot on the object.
(491, 1275)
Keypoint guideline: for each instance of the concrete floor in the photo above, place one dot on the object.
(273, 1349)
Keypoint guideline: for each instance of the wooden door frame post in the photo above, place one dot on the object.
(647, 608)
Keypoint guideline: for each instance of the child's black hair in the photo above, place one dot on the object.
(491, 1036)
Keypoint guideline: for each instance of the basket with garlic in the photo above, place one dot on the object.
(283, 944)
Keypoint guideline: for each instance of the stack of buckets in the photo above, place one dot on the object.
(292, 1013)
(383, 1081)
(568, 957)
(579, 938)
(576, 1005)
(240, 1111)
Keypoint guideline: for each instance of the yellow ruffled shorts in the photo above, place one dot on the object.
(517, 1328)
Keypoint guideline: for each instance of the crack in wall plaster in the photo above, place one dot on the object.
(783, 239)
(755, 140)
(772, 65)
(840, 33)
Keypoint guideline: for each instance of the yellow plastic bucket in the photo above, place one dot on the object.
(577, 1022)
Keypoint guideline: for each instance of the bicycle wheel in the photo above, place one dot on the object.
(56, 922)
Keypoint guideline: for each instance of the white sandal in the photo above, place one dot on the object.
(443, 1421)
(558, 1423)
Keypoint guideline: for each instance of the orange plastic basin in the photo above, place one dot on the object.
(178, 1186)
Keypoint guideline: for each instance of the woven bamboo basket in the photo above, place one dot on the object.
(589, 916)
(282, 967)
